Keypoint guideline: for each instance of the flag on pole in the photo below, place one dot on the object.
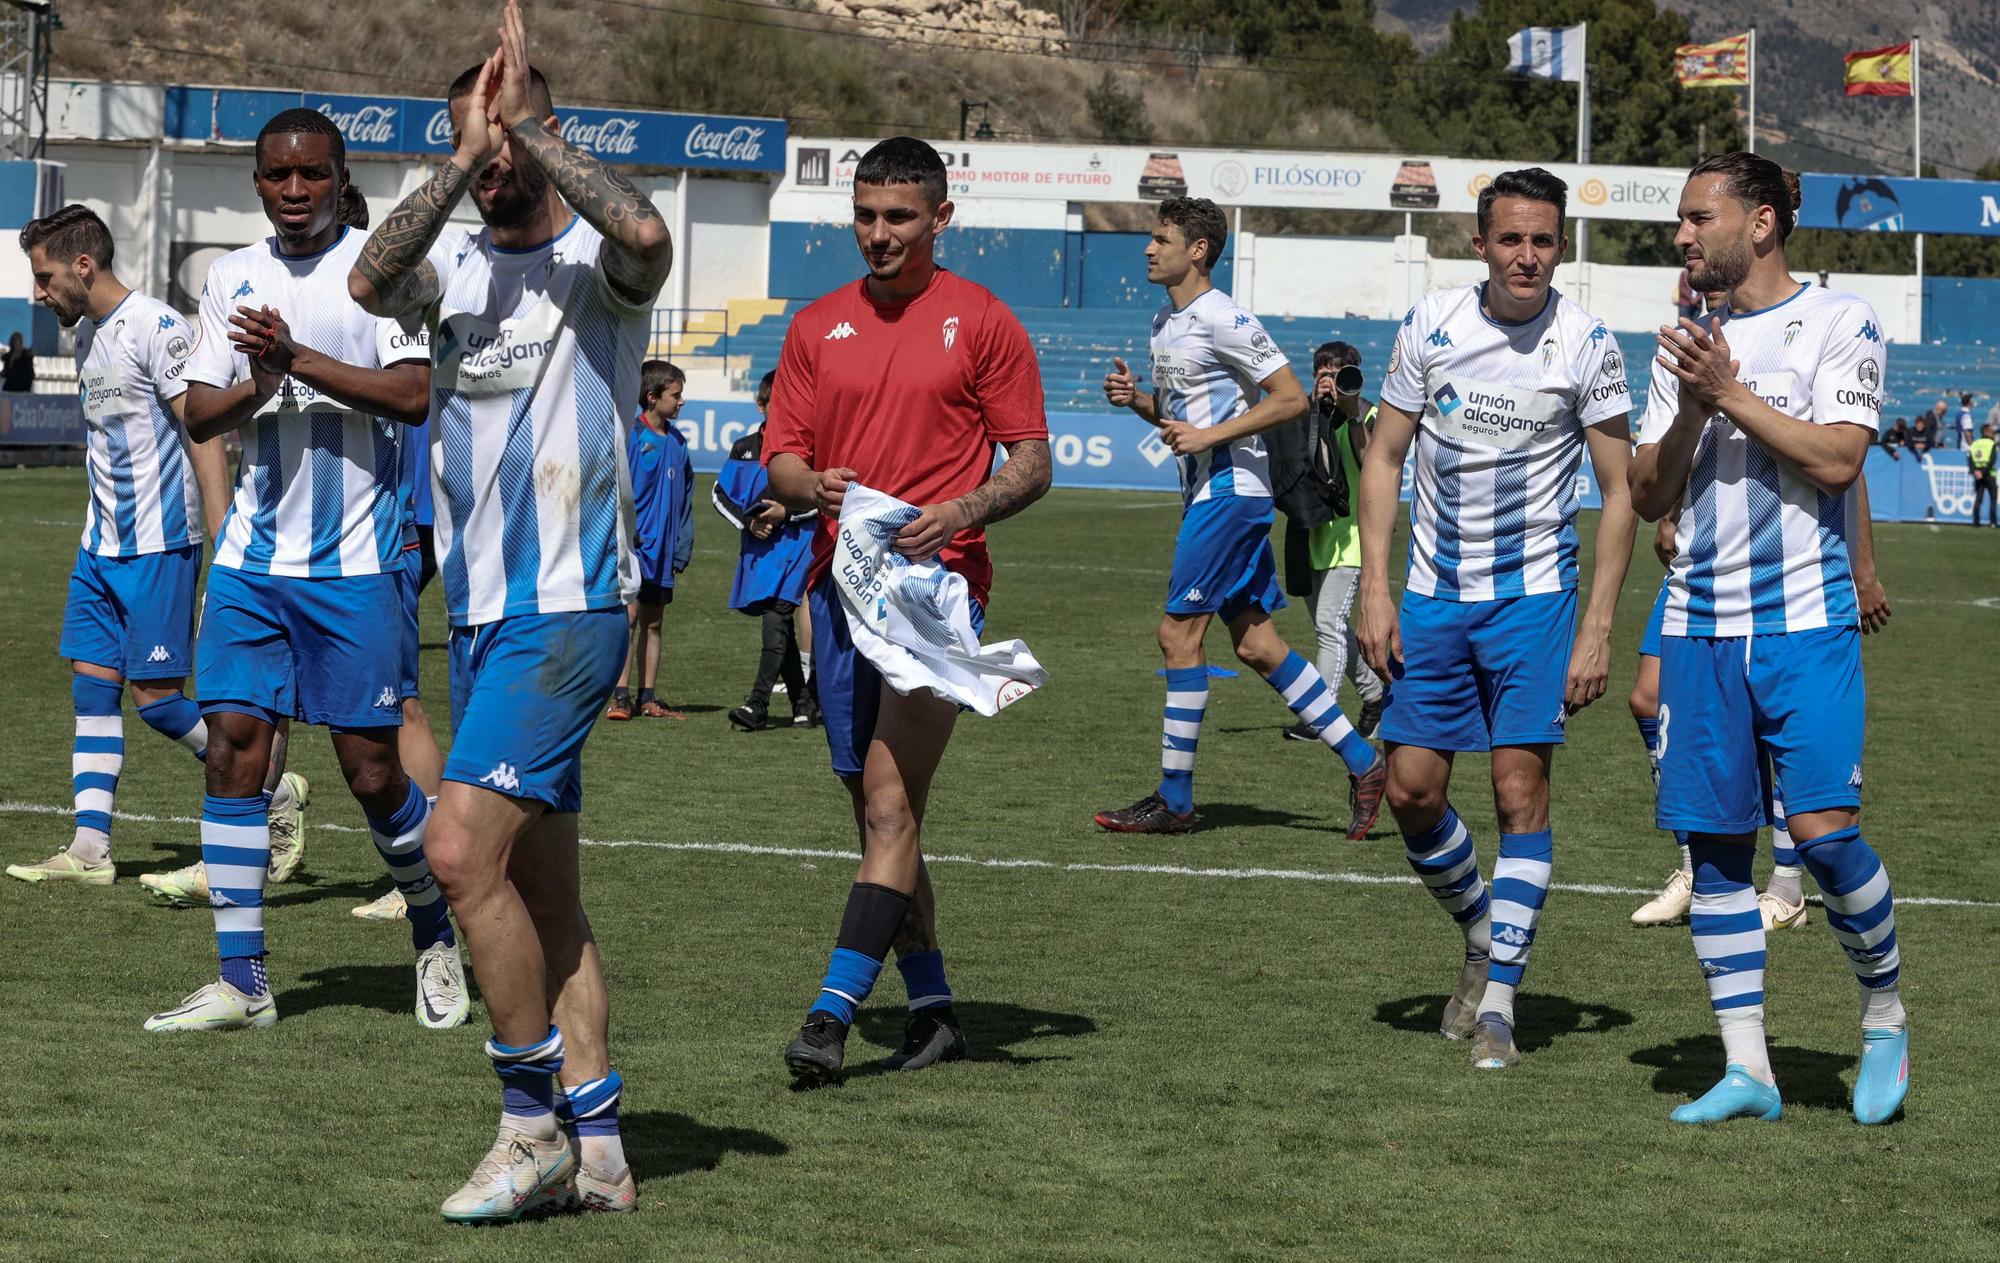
(1546, 52)
(1723, 64)
(1879, 71)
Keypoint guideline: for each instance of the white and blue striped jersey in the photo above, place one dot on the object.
(1501, 410)
(1759, 549)
(130, 367)
(534, 380)
(1208, 360)
(317, 494)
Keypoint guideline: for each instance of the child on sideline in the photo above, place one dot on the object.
(664, 536)
(770, 576)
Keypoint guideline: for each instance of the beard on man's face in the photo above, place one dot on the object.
(515, 202)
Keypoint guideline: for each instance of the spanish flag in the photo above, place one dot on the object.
(1723, 64)
(1879, 72)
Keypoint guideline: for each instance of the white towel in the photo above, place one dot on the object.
(913, 620)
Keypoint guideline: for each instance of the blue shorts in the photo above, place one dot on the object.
(525, 692)
(848, 686)
(1729, 702)
(1222, 559)
(410, 585)
(328, 651)
(133, 614)
(1649, 642)
(1479, 674)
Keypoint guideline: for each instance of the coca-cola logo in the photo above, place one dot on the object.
(615, 135)
(366, 125)
(438, 130)
(741, 143)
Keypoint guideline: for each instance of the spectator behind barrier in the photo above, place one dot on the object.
(1896, 437)
(1923, 435)
(17, 366)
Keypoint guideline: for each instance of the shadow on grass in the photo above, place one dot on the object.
(1690, 1066)
(992, 1031)
(1225, 815)
(661, 1144)
(1539, 1020)
(385, 988)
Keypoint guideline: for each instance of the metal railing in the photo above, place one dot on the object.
(671, 324)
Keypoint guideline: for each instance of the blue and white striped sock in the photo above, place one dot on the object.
(1729, 944)
(1649, 733)
(1187, 699)
(590, 1112)
(1859, 906)
(1304, 690)
(1787, 872)
(923, 979)
(1520, 887)
(528, 1082)
(95, 762)
(236, 852)
(177, 718)
(399, 840)
(1445, 861)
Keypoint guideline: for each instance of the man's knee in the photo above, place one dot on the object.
(1413, 794)
(1521, 796)
(456, 859)
(373, 777)
(887, 818)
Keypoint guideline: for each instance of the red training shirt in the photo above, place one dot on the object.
(912, 397)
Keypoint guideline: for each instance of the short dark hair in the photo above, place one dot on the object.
(656, 375)
(69, 232)
(1532, 183)
(1756, 181)
(904, 160)
(353, 208)
(1336, 353)
(301, 121)
(768, 382)
(1199, 220)
(538, 88)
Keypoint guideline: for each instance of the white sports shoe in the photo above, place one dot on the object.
(390, 907)
(441, 999)
(185, 887)
(519, 1173)
(1779, 915)
(217, 1007)
(1670, 906)
(288, 831)
(62, 866)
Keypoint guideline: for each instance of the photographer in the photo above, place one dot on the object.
(1316, 481)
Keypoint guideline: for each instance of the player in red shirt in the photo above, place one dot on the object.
(903, 381)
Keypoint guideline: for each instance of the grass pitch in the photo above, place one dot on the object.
(1214, 1046)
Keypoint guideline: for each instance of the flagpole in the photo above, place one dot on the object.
(1751, 121)
(1583, 129)
(1917, 147)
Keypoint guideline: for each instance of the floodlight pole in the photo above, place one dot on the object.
(1917, 152)
(1583, 130)
(1750, 119)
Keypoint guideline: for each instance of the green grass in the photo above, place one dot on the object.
(1165, 1065)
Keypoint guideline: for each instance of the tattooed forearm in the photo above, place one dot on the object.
(392, 266)
(639, 250)
(1013, 487)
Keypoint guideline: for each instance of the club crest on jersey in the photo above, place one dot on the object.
(839, 332)
(1439, 338)
(1549, 350)
(1614, 364)
(1792, 331)
(1446, 399)
(1396, 356)
(950, 331)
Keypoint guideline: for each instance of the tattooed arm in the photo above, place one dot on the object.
(638, 249)
(392, 276)
(1018, 483)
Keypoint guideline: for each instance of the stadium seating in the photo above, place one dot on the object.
(1076, 346)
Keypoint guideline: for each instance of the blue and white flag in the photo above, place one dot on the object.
(913, 620)
(1547, 52)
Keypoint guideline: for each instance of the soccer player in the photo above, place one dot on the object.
(542, 322)
(1211, 362)
(304, 581)
(663, 529)
(1502, 384)
(904, 381)
(1757, 427)
(130, 615)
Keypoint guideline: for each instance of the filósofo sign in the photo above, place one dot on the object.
(415, 125)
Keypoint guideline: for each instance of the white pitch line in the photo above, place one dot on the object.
(997, 862)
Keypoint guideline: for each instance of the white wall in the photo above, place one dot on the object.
(728, 252)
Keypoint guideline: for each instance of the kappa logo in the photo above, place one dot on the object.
(159, 654)
(502, 778)
(839, 332)
(216, 899)
(1193, 594)
(1242, 318)
(1447, 400)
(243, 291)
(387, 699)
(1439, 338)
(1598, 335)
(1512, 935)
(1854, 778)
(166, 322)
(950, 331)
(1715, 968)
(1869, 331)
